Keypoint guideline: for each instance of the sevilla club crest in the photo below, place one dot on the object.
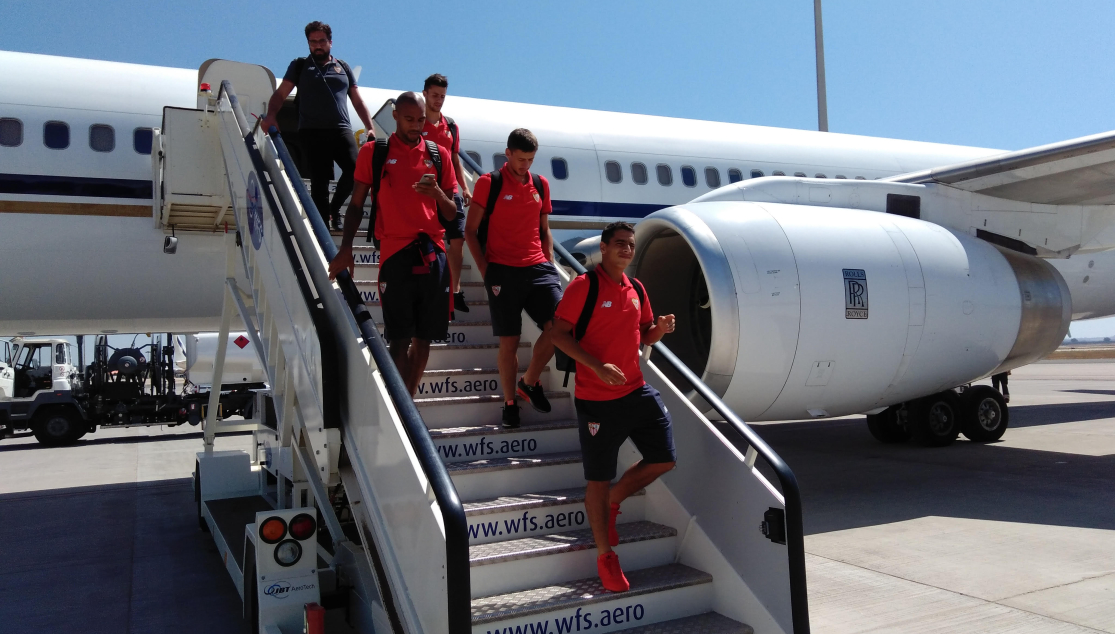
(635, 301)
(593, 428)
(495, 291)
(382, 288)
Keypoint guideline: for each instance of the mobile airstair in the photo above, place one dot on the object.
(362, 509)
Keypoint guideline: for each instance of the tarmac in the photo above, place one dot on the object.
(1015, 536)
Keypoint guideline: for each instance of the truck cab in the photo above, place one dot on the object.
(36, 365)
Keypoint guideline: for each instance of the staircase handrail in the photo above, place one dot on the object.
(795, 533)
(449, 502)
(457, 573)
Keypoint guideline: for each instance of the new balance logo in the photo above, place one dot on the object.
(607, 304)
(508, 197)
(392, 161)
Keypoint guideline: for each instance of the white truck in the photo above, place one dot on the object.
(41, 389)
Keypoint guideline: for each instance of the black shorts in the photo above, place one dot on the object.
(640, 416)
(414, 304)
(455, 228)
(513, 289)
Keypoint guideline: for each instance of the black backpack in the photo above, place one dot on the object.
(564, 362)
(452, 130)
(379, 159)
(493, 197)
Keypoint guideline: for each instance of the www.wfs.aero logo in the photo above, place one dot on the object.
(283, 589)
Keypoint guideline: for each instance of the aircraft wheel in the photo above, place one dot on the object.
(985, 412)
(887, 427)
(57, 426)
(934, 421)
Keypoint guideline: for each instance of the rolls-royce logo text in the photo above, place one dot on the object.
(855, 294)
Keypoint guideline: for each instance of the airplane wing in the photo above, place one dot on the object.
(1074, 172)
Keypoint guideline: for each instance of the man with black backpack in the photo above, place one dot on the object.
(325, 84)
(600, 323)
(412, 189)
(443, 130)
(509, 237)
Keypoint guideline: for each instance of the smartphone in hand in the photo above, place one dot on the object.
(428, 179)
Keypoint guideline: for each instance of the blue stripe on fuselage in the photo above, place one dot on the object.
(43, 185)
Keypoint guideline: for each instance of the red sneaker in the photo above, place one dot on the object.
(611, 575)
(613, 536)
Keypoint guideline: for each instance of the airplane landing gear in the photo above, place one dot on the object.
(934, 421)
(985, 414)
(889, 425)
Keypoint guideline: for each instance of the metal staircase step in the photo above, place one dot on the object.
(519, 564)
(478, 309)
(489, 441)
(464, 381)
(457, 411)
(707, 623)
(474, 291)
(534, 514)
(583, 593)
(449, 356)
(465, 330)
(491, 477)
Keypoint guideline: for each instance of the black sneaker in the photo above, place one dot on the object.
(335, 223)
(459, 302)
(535, 395)
(510, 416)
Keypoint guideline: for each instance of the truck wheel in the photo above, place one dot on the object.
(985, 414)
(57, 426)
(886, 426)
(934, 420)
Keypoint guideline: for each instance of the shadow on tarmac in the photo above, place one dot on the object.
(850, 480)
(113, 558)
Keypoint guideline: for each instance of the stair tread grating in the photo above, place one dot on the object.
(481, 398)
(583, 592)
(707, 623)
(497, 428)
(519, 462)
(509, 503)
(566, 542)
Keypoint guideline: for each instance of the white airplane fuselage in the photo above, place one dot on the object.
(83, 254)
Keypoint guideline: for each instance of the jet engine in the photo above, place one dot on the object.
(791, 311)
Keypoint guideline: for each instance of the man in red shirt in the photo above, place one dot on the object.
(612, 399)
(517, 262)
(413, 273)
(439, 130)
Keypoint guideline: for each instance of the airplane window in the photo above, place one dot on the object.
(799, 174)
(756, 173)
(56, 135)
(819, 175)
(688, 176)
(559, 168)
(734, 175)
(778, 173)
(639, 173)
(141, 140)
(498, 160)
(665, 174)
(839, 176)
(712, 177)
(102, 138)
(860, 178)
(475, 156)
(613, 171)
(11, 132)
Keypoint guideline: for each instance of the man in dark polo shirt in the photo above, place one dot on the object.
(413, 273)
(438, 130)
(613, 401)
(517, 263)
(325, 84)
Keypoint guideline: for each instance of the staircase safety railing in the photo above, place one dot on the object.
(795, 535)
(453, 521)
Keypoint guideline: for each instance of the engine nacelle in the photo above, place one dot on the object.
(792, 311)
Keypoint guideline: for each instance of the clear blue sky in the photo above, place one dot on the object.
(989, 73)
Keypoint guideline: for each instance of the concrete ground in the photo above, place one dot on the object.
(1014, 536)
(103, 537)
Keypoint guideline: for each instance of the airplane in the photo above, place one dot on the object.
(76, 195)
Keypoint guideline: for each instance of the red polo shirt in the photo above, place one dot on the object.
(613, 334)
(401, 212)
(513, 238)
(440, 134)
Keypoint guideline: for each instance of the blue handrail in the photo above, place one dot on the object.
(795, 532)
